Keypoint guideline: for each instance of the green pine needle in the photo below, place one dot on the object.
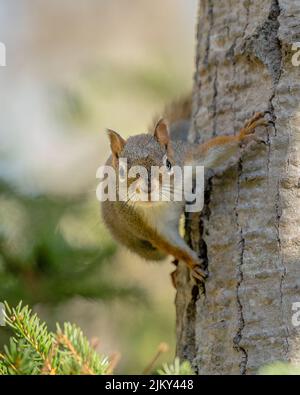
(177, 368)
(35, 350)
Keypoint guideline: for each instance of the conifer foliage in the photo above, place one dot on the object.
(35, 350)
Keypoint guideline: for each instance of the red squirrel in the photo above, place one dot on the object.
(151, 229)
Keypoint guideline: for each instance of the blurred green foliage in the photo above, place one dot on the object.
(280, 368)
(40, 263)
(107, 88)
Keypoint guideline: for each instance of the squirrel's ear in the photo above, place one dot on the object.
(117, 143)
(161, 133)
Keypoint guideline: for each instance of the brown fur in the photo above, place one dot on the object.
(151, 230)
(177, 111)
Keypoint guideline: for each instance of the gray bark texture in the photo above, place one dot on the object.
(248, 234)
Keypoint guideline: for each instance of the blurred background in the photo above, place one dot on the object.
(73, 69)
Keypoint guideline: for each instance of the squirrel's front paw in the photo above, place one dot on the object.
(197, 270)
(198, 273)
(258, 119)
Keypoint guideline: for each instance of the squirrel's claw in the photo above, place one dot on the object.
(199, 274)
(247, 132)
(255, 121)
(257, 116)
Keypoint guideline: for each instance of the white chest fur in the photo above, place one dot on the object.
(163, 217)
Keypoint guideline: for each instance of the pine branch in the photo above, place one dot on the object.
(34, 350)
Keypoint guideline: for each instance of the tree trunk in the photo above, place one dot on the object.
(249, 231)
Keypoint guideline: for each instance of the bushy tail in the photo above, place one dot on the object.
(176, 111)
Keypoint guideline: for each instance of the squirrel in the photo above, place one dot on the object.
(151, 229)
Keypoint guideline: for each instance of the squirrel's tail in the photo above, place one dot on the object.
(178, 114)
(179, 110)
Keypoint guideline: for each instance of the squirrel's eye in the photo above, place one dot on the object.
(167, 164)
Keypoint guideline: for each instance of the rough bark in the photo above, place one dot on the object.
(249, 231)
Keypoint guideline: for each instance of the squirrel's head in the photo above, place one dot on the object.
(144, 165)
